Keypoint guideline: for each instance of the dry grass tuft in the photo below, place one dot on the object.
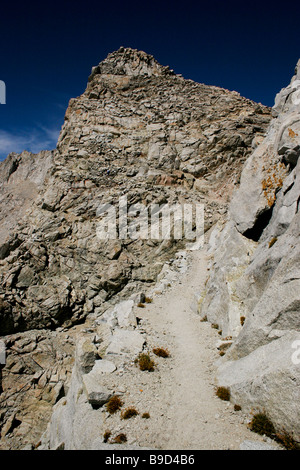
(114, 404)
(287, 441)
(106, 436)
(129, 413)
(161, 352)
(120, 439)
(262, 425)
(223, 393)
(146, 363)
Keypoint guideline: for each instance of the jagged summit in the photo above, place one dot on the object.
(132, 62)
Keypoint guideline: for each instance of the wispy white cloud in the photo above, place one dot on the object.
(40, 138)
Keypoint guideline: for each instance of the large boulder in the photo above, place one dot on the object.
(267, 381)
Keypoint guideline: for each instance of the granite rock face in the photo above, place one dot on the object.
(254, 289)
(36, 375)
(79, 418)
(141, 132)
(138, 131)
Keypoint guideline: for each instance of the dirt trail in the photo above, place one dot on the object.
(195, 418)
(185, 412)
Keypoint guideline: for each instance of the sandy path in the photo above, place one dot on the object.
(195, 417)
(180, 393)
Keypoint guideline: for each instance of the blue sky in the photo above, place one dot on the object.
(49, 48)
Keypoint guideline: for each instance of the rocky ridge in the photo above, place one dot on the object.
(140, 131)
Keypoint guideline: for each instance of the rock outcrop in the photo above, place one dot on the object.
(253, 292)
(138, 131)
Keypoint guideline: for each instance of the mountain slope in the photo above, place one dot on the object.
(138, 131)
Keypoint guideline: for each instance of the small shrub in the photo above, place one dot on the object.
(287, 441)
(237, 408)
(222, 353)
(262, 425)
(146, 363)
(129, 413)
(223, 393)
(114, 404)
(106, 436)
(146, 415)
(242, 320)
(203, 319)
(215, 326)
(120, 439)
(140, 305)
(148, 300)
(161, 352)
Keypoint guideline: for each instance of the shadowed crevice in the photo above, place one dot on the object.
(260, 224)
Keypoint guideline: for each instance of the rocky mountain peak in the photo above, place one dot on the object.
(155, 139)
(131, 62)
(139, 131)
